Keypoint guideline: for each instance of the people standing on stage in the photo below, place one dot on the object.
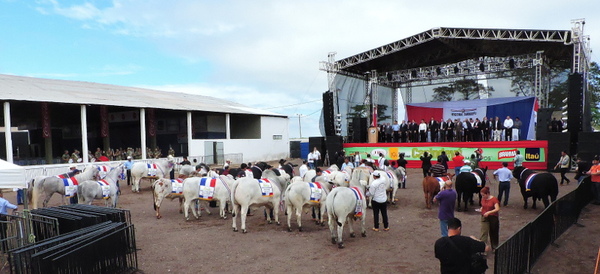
(414, 131)
(517, 126)
(564, 163)
(467, 128)
(503, 175)
(459, 130)
(433, 129)
(476, 130)
(443, 127)
(395, 132)
(497, 128)
(422, 131)
(519, 159)
(508, 125)
(404, 131)
(389, 133)
(450, 130)
(484, 129)
(458, 162)
(426, 163)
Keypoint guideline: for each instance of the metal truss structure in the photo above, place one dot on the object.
(443, 55)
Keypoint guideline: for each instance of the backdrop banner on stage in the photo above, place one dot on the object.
(523, 107)
(535, 152)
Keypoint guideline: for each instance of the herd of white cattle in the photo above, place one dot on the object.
(341, 194)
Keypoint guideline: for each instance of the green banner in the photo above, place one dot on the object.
(489, 154)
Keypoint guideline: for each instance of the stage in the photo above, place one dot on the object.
(494, 153)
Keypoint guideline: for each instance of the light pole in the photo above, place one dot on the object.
(299, 125)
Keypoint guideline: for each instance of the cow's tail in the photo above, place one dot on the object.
(35, 188)
(30, 191)
(154, 194)
(80, 198)
(333, 215)
(233, 205)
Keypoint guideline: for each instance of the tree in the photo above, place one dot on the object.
(469, 89)
(443, 93)
(362, 111)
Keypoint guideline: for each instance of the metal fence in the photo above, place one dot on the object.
(520, 252)
(92, 239)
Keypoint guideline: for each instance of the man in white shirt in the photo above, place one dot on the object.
(303, 169)
(423, 131)
(311, 160)
(508, 125)
(347, 163)
(503, 176)
(381, 161)
(378, 201)
(357, 160)
(316, 157)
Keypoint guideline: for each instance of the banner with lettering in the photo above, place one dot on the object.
(534, 152)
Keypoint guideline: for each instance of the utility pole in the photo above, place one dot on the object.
(299, 125)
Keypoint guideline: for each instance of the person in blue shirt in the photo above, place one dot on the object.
(128, 164)
(347, 163)
(503, 175)
(4, 204)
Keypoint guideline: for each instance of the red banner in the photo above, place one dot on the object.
(151, 123)
(46, 129)
(103, 121)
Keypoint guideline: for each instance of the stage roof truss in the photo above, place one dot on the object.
(367, 60)
(493, 67)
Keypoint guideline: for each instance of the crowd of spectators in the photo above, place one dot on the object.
(118, 154)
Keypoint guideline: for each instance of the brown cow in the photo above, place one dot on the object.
(431, 187)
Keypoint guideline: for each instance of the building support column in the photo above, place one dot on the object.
(189, 132)
(227, 126)
(143, 132)
(8, 132)
(84, 136)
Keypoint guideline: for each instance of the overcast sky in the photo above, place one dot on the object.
(264, 54)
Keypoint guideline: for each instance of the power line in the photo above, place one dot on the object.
(293, 104)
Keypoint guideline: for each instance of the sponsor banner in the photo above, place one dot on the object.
(534, 152)
(465, 112)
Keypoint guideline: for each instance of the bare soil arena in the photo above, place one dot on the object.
(209, 245)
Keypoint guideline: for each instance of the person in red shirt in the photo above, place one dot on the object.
(458, 162)
(490, 223)
(595, 176)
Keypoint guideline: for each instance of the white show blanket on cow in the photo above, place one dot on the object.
(102, 171)
(70, 186)
(152, 170)
(442, 182)
(316, 191)
(266, 187)
(206, 190)
(177, 186)
(358, 211)
(105, 186)
(478, 179)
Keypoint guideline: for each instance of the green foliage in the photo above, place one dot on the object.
(362, 111)
(468, 88)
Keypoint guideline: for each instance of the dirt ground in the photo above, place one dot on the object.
(209, 245)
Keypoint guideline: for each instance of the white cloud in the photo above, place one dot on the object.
(267, 52)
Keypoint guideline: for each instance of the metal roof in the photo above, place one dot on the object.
(447, 45)
(22, 88)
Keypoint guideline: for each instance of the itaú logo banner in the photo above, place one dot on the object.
(503, 154)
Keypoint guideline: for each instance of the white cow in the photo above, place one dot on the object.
(206, 189)
(105, 189)
(302, 196)
(248, 193)
(348, 204)
(164, 188)
(156, 170)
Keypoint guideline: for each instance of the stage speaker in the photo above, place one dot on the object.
(295, 149)
(575, 103)
(328, 119)
(359, 130)
(544, 117)
(334, 144)
(557, 142)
